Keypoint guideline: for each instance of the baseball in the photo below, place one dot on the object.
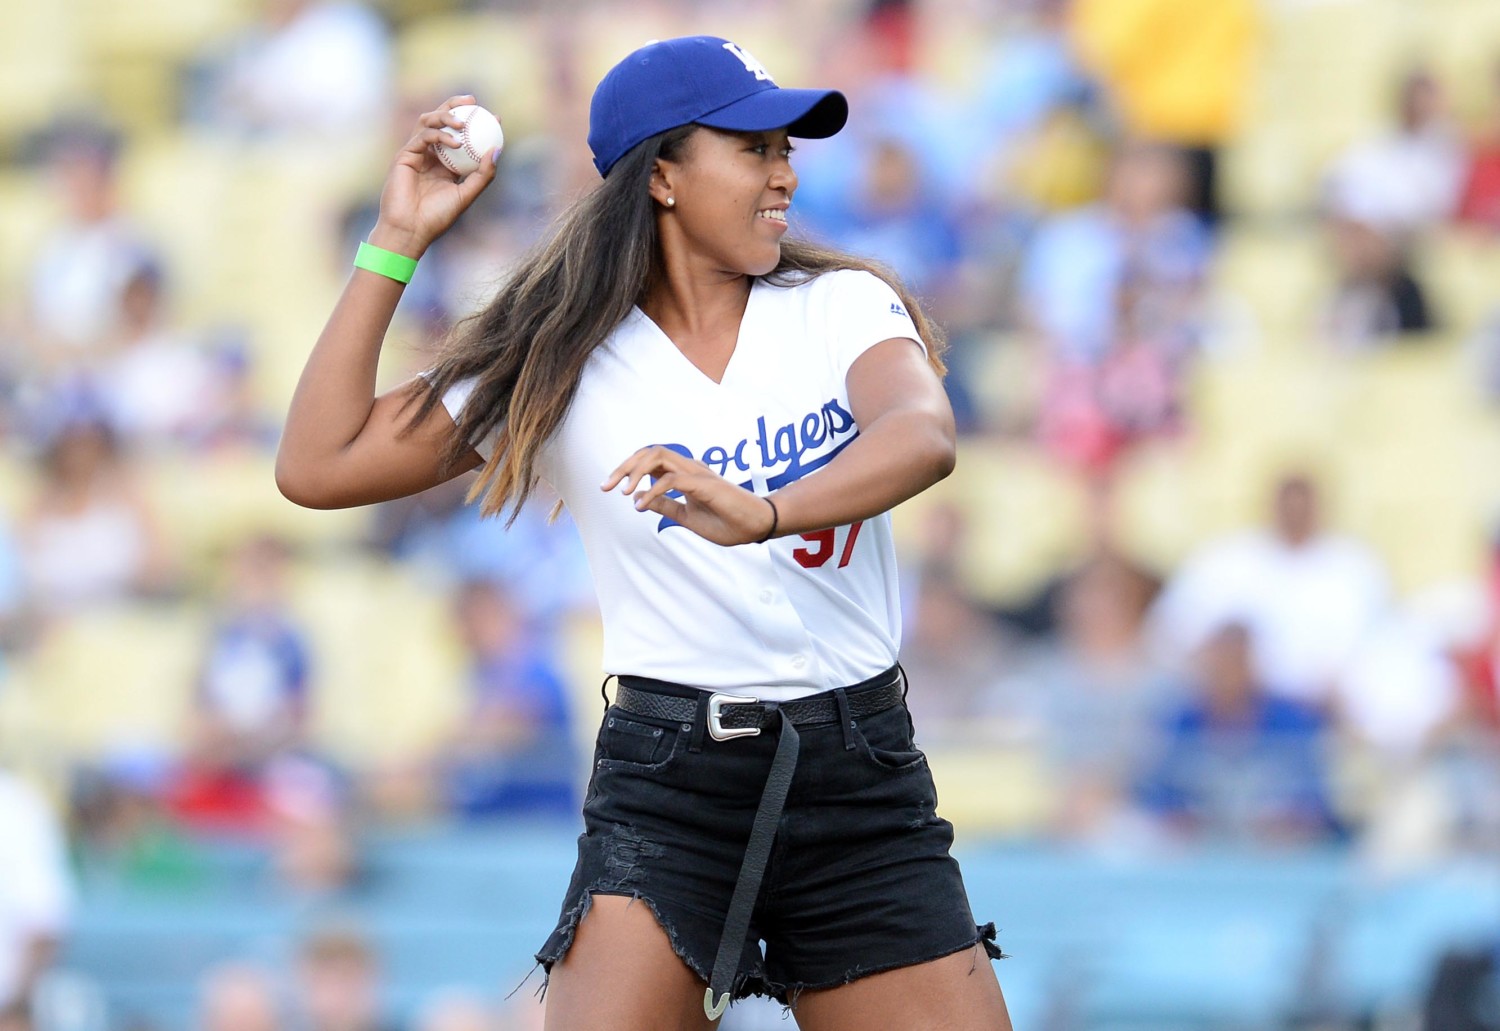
(480, 135)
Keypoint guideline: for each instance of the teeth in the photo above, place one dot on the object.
(774, 214)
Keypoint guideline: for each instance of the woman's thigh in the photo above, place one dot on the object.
(620, 974)
(955, 993)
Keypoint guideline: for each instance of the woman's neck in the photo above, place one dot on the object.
(696, 308)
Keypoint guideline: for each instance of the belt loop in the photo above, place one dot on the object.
(700, 723)
(841, 699)
(905, 683)
(602, 684)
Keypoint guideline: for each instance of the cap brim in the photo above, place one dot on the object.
(811, 114)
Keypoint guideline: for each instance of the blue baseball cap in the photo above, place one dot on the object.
(702, 79)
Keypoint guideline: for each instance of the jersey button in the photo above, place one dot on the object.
(767, 596)
(799, 661)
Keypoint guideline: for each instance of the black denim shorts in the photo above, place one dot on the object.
(859, 880)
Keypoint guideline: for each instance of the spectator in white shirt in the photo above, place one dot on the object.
(35, 891)
(1307, 596)
(309, 70)
(79, 273)
(1410, 178)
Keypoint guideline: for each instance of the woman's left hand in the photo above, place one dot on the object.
(710, 505)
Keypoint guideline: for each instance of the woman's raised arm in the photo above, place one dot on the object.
(341, 446)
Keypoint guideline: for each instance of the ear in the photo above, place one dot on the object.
(663, 173)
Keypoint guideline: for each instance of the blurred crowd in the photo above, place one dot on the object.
(1061, 213)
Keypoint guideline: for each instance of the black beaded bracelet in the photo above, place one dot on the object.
(775, 518)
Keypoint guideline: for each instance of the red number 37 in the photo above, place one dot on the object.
(823, 544)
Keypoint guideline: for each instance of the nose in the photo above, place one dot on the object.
(784, 178)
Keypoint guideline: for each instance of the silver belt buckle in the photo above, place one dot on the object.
(716, 729)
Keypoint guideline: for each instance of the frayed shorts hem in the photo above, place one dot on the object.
(746, 983)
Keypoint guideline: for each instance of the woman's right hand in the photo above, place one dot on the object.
(421, 198)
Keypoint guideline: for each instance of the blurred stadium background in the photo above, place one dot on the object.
(1203, 633)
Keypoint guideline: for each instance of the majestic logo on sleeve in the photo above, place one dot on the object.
(794, 450)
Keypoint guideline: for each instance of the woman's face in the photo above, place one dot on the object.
(730, 193)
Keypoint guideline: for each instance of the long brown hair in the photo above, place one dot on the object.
(526, 350)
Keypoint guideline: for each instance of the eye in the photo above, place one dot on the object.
(760, 149)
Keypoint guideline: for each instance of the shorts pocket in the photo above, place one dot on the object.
(631, 744)
(885, 739)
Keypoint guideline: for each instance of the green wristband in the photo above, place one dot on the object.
(386, 263)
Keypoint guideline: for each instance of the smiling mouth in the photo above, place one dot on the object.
(776, 215)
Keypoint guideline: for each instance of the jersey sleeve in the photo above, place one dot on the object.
(454, 399)
(865, 312)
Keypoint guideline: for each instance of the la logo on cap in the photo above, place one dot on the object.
(752, 66)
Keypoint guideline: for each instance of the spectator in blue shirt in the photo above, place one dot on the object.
(1239, 762)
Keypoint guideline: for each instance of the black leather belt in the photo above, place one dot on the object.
(732, 715)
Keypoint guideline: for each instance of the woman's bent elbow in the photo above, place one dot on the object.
(298, 487)
(946, 459)
(943, 460)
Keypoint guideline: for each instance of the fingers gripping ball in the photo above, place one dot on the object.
(480, 135)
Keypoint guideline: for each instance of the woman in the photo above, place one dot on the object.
(755, 778)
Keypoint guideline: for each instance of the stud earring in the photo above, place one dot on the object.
(671, 201)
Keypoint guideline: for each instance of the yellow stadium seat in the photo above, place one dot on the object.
(29, 208)
(43, 65)
(1461, 270)
(387, 671)
(1281, 276)
(207, 505)
(991, 789)
(502, 58)
(120, 676)
(1024, 512)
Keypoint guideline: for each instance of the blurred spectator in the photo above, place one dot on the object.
(238, 996)
(954, 652)
(1464, 993)
(1479, 202)
(952, 647)
(1307, 595)
(252, 697)
(1090, 696)
(1179, 71)
(1029, 72)
(1398, 688)
(80, 273)
(541, 562)
(1240, 763)
(308, 804)
(895, 214)
(1409, 179)
(1478, 657)
(337, 983)
(308, 69)
(1113, 292)
(513, 751)
(120, 826)
(1081, 262)
(35, 891)
(247, 765)
(14, 624)
(1484, 350)
(1376, 296)
(157, 387)
(89, 536)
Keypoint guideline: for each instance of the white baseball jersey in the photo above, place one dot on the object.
(780, 620)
